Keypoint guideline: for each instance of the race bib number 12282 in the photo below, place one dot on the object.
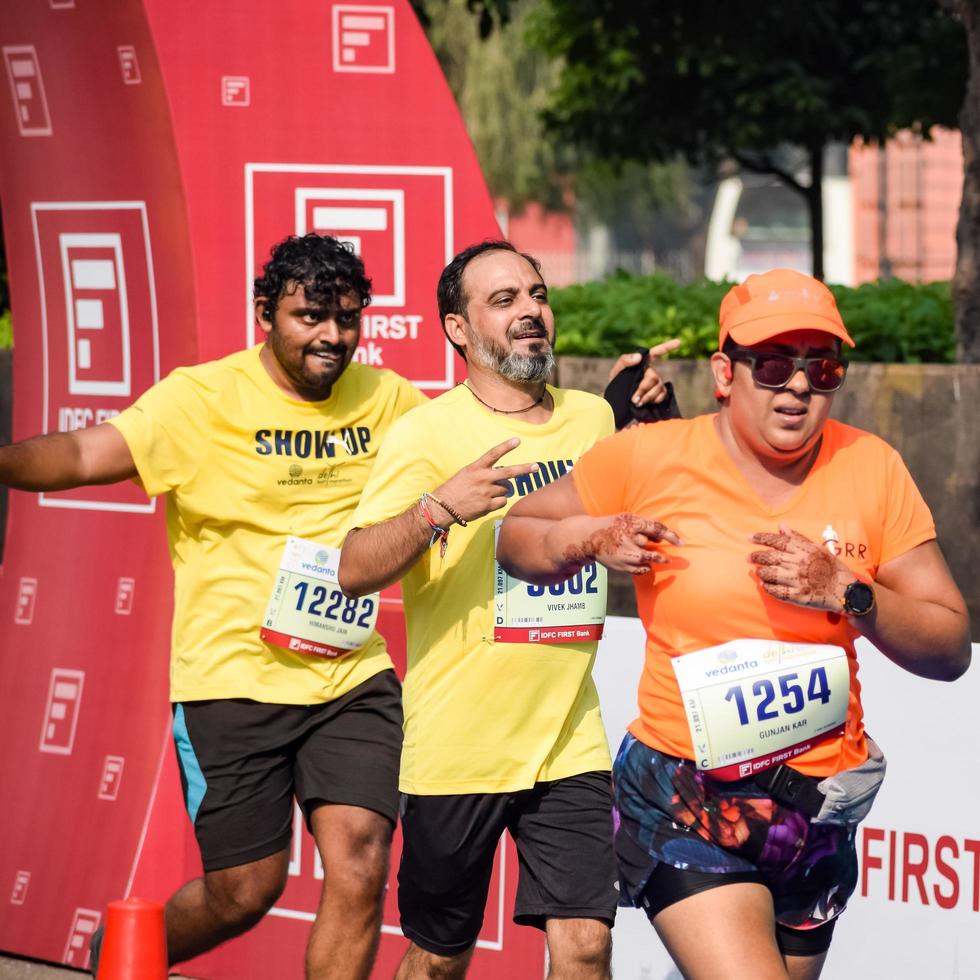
(307, 611)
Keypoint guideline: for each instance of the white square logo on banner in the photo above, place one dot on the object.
(97, 311)
(236, 90)
(21, 882)
(125, 591)
(376, 210)
(97, 296)
(364, 39)
(85, 922)
(129, 64)
(112, 770)
(368, 219)
(61, 713)
(26, 599)
(27, 90)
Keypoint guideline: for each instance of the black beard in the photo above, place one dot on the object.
(306, 380)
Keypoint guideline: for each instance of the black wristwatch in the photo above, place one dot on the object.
(859, 599)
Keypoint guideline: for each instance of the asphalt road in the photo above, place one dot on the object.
(15, 968)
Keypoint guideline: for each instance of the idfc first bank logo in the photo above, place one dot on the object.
(398, 219)
(99, 323)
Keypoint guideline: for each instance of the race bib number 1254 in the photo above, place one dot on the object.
(752, 704)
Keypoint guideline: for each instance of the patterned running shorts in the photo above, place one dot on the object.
(667, 811)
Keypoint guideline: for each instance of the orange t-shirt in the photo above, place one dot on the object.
(678, 472)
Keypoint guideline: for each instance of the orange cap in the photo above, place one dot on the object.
(775, 302)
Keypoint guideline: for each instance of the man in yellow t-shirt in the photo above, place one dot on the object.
(502, 724)
(280, 685)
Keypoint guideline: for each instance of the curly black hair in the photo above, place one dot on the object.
(325, 267)
(450, 294)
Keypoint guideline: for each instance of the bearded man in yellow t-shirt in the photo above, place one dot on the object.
(502, 724)
(281, 687)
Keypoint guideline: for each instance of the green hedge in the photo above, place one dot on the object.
(889, 321)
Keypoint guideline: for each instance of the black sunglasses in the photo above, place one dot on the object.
(824, 374)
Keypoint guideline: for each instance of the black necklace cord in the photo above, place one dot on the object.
(510, 411)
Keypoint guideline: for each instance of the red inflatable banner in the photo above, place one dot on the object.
(152, 153)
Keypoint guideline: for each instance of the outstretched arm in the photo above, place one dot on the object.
(919, 619)
(62, 460)
(548, 537)
(374, 557)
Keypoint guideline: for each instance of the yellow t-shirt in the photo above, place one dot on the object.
(481, 716)
(243, 466)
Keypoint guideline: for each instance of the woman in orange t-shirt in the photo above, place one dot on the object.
(785, 536)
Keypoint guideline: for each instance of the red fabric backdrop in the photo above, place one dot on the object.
(151, 153)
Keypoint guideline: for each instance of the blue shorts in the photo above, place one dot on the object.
(666, 811)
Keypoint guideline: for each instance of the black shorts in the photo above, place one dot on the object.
(242, 762)
(563, 833)
(667, 885)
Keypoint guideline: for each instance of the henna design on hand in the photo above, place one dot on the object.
(771, 540)
(799, 571)
(609, 539)
(621, 533)
(818, 574)
(575, 554)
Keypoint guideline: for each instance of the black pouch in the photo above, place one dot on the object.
(791, 788)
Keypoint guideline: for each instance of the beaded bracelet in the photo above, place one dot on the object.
(454, 514)
(439, 533)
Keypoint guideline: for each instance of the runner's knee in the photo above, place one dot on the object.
(365, 878)
(585, 944)
(356, 860)
(241, 896)
(420, 963)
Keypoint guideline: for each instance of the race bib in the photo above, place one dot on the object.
(307, 612)
(573, 611)
(753, 704)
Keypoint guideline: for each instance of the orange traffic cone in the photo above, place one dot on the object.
(135, 943)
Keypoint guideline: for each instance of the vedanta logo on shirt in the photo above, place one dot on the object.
(547, 471)
(305, 443)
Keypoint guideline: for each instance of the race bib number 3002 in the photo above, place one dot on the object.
(753, 704)
(573, 611)
(307, 612)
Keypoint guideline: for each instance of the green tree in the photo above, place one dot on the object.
(754, 83)
(490, 14)
(501, 87)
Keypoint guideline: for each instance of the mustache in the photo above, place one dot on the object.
(529, 327)
(339, 349)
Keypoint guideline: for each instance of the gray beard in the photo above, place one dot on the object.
(515, 366)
